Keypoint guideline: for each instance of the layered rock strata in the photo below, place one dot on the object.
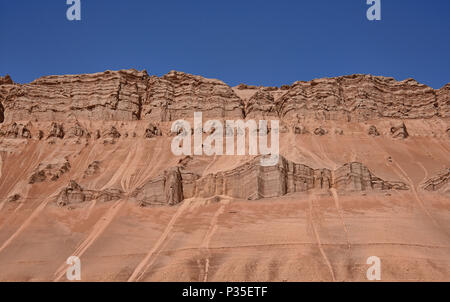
(75, 194)
(134, 95)
(439, 183)
(252, 181)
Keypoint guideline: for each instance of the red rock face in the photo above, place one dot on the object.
(361, 97)
(6, 80)
(439, 182)
(133, 95)
(86, 170)
(177, 95)
(107, 96)
(443, 101)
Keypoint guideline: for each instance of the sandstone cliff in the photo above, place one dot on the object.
(252, 181)
(110, 95)
(134, 95)
(177, 95)
(86, 170)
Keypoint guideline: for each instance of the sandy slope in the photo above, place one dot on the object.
(321, 236)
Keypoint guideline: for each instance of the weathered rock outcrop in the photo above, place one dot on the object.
(320, 131)
(252, 181)
(342, 187)
(177, 95)
(363, 97)
(111, 133)
(6, 80)
(399, 131)
(75, 194)
(443, 101)
(439, 182)
(261, 105)
(2, 113)
(166, 189)
(373, 131)
(77, 131)
(92, 169)
(299, 129)
(110, 95)
(56, 131)
(152, 131)
(133, 95)
(14, 198)
(5, 83)
(357, 177)
(50, 171)
(15, 130)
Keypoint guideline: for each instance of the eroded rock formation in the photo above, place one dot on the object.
(134, 95)
(16, 130)
(399, 131)
(50, 171)
(357, 177)
(64, 106)
(252, 181)
(261, 104)
(166, 189)
(77, 131)
(298, 129)
(75, 194)
(341, 188)
(6, 80)
(443, 101)
(439, 182)
(111, 133)
(14, 198)
(92, 169)
(56, 131)
(152, 131)
(363, 97)
(320, 131)
(110, 95)
(177, 95)
(373, 131)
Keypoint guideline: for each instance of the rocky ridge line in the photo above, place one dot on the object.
(128, 95)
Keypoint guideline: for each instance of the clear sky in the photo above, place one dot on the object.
(248, 41)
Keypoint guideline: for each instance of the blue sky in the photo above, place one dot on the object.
(248, 41)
